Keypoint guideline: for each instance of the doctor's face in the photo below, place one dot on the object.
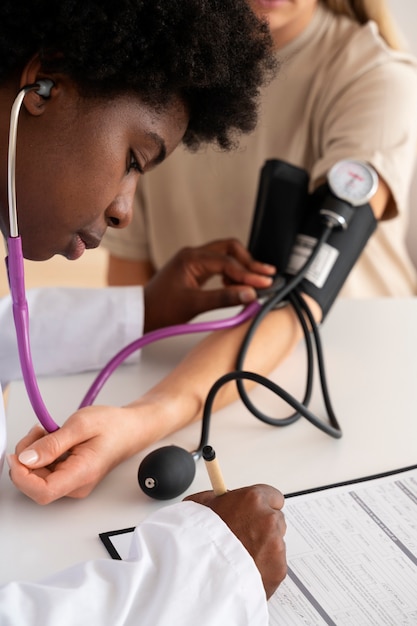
(286, 18)
(78, 165)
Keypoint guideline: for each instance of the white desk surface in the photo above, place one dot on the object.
(370, 349)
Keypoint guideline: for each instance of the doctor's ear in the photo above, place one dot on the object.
(36, 97)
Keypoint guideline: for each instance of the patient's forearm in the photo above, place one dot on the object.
(72, 460)
(180, 396)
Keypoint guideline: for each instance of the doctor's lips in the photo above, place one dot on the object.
(82, 241)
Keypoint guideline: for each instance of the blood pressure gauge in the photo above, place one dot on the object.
(353, 181)
(352, 184)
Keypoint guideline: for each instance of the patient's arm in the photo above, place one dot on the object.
(74, 459)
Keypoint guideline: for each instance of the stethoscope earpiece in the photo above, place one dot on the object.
(44, 87)
(166, 472)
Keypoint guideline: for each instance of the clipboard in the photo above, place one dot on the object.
(117, 542)
(352, 481)
(338, 538)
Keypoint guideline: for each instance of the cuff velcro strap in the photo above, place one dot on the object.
(336, 257)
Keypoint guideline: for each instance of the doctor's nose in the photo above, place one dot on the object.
(119, 218)
(120, 211)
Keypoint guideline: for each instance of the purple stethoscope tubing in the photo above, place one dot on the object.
(21, 320)
(15, 268)
(163, 333)
(14, 263)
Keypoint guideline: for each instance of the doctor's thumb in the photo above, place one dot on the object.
(225, 297)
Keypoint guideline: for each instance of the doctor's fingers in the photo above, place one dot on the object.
(254, 515)
(252, 497)
(200, 266)
(234, 248)
(208, 299)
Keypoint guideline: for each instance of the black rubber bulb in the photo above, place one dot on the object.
(166, 472)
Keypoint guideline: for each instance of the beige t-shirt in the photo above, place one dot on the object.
(340, 93)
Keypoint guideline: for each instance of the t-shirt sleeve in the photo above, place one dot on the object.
(370, 114)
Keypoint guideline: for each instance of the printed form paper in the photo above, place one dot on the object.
(352, 555)
(351, 551)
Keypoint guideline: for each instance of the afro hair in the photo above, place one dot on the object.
(214, 54)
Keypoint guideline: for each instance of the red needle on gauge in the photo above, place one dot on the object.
(354, 175)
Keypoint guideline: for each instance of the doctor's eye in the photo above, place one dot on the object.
(134, 164)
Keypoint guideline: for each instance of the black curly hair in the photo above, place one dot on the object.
(215, 54)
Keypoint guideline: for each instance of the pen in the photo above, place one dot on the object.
(214, 471)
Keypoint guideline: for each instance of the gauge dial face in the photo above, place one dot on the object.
(353, 181)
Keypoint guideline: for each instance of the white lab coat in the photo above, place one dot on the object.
(186, 567)
(72, 329)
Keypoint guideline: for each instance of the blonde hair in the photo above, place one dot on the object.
(364, 10)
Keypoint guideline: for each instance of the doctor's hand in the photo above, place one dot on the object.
(176, 293)
(74, 459)
(254, 515)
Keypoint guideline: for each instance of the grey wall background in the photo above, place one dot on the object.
(405, 14)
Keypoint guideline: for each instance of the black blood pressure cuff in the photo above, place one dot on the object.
(279, 211)
(336, 257)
